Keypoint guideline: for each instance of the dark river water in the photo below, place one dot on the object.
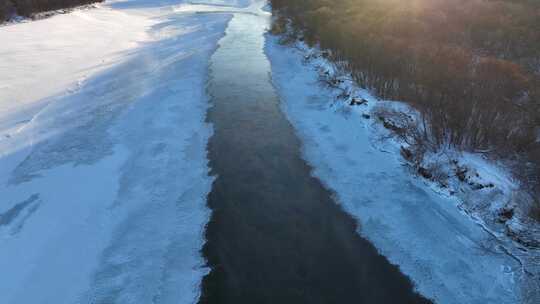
(275, 234)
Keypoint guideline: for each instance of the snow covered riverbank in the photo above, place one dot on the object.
(450, 258)
(103, 169)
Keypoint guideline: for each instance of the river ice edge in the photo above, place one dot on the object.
(449, 257)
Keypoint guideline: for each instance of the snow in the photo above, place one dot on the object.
(103, 168)
(230, 3)
(49, 56)
(448, 256)
(104, 175)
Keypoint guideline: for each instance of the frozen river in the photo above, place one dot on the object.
(172, 152)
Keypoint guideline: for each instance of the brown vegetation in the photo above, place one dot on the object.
(470, 67)
(29, 7)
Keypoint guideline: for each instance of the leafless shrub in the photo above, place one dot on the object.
(406, 129)
(28, 8)
(439, 174)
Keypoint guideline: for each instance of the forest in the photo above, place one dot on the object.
(28, 7)
(470, 67)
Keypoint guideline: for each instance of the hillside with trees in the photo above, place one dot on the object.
(27, 8)
(470, 67)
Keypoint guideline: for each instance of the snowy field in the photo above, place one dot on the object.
(50, 56)
(103, 169)
(448, 256)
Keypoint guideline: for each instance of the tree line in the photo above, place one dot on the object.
(27, 8)
(470, 67)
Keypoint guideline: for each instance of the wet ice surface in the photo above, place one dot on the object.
(103, 192)
(449, 258)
